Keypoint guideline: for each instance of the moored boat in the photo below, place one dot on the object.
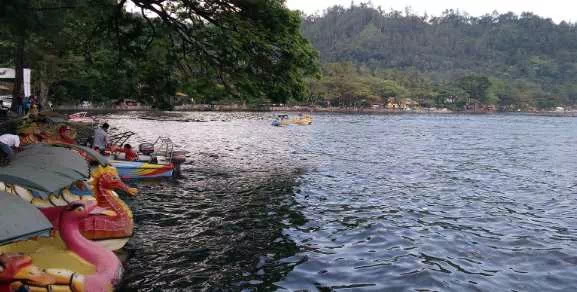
(50, 176)
(81, 117)
(67, 262)
(153, 160)
(142, 170)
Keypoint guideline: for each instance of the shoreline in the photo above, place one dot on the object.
(306, 109)
(8, 124)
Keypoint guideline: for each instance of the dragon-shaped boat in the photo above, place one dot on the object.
(63, 259)
(65, 262)
(47, 189)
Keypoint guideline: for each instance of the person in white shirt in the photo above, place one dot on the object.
(101, 138)
(7, 143)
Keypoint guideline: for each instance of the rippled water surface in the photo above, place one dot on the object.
(360, 203)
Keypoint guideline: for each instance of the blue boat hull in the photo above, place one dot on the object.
(142, 170)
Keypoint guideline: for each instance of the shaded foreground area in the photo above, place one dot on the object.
(215, 228)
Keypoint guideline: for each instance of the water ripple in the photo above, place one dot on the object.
(360, 203)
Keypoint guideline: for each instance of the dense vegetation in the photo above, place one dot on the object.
(100, 50)
(253, 51)
(507, 60)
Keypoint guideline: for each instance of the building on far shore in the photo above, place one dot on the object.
(404, 104)
(477, 107)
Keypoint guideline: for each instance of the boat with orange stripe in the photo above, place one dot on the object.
(153, 160)
(141, 170)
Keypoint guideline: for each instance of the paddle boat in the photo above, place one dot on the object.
(34, 258)
(36, 132)
(81, 117)
(49, 176)
(110, 232)
(280, 121)
(285, 120)
(153, 160)
(302, 120)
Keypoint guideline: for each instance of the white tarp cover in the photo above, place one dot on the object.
(27, 87)
(7, 73)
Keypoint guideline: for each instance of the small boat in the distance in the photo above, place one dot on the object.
(284, 120)
(81, 117)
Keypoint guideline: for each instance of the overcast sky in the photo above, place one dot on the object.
(558, 10)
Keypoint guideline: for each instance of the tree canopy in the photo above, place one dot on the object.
(149, 49)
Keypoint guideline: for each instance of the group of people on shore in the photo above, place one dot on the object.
(27, 103)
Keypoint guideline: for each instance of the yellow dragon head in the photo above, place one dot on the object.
(106, 178)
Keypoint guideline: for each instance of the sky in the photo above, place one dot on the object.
(558, 10)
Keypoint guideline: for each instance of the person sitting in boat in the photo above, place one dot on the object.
(101, 138)
(66, 134)
(130, 154)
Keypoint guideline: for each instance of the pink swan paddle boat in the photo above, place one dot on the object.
(106, 266)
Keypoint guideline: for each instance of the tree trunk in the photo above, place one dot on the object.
(43, 97)
(18, 91)
(42, 83)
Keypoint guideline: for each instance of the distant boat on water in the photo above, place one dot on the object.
(284, 120)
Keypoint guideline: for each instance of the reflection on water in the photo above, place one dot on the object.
(362, 203)
(213, 228)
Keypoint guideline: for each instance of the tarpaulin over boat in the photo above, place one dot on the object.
(45, 169)
(20, 220)
(91, 153)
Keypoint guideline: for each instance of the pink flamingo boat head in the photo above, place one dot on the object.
(19, 269)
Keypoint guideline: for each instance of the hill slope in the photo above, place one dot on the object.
(531, 60)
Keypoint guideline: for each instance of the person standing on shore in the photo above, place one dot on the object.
(20, 107)
(26, 104)
(34, 102)
(101, 138)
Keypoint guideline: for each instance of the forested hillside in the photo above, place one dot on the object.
(528, 61)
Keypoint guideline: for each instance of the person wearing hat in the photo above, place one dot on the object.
(101, 138)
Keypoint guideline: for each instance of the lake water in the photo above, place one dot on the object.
(359, 203)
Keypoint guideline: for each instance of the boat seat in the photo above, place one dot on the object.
(120, 156)
(50, 253)
(143, 158)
